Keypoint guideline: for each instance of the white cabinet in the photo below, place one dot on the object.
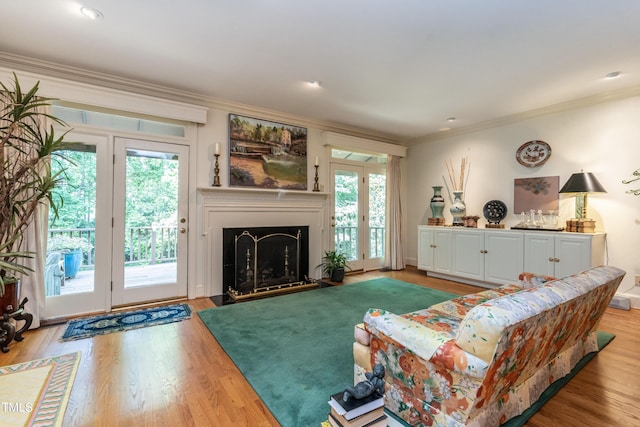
(503, 257)
(468, 254)
(489, 256)
(562, 254)
(434, 249)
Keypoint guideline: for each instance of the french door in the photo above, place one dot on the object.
(150, 211)
(125, 200)
(358, 214)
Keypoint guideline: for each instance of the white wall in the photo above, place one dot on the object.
(602, 138)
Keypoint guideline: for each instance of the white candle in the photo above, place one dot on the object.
(316, 161)
(217, 148)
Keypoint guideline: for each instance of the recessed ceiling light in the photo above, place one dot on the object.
(613, 74)
(451, 119)
(91, 13)
(314, 83)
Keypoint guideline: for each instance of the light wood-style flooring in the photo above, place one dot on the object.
(178, 375)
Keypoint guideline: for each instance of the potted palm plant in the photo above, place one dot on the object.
(334, 264)
(27, 148)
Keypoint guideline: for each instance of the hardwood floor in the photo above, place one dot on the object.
(178, 375)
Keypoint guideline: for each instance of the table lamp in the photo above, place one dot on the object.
(581, 184)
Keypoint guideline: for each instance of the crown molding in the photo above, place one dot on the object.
(109, 81)
(587, 101)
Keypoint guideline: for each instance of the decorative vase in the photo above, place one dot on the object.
(458, 209)
(437, 202)
(72, 262)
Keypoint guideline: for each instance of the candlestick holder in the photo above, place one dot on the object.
(216, 171)
(316, 187)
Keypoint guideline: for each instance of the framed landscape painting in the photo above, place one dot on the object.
(266, 154)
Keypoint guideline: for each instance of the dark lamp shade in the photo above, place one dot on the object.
(583, 182)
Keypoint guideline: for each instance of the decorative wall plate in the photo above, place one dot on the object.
(494, 211)
(533, 153)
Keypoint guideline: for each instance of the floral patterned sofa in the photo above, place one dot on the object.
(481, 359)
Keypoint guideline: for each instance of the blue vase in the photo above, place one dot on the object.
(72, 262)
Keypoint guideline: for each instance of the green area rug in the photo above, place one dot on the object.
(296, 350)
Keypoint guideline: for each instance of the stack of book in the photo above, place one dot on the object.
(365, 412)
(435, 221)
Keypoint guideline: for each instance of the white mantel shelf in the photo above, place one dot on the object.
(260, 191)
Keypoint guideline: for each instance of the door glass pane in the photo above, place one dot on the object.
(69, 266)
(346, 213)
(151, 213)
(377, 198)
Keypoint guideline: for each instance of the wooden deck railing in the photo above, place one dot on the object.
(143, 245)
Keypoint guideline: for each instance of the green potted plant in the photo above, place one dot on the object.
(27, 148)
(334, 264)
(73, 250)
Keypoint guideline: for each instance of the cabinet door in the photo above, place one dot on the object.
(425, 249)
(539, 253)
(468, 254)
(572, 253)
(504, 257)
(442, 251)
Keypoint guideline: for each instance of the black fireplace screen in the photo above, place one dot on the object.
(264, 258)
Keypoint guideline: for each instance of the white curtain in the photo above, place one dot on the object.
(32, 286)
(394, 254)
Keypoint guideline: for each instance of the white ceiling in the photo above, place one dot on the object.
(399, 68)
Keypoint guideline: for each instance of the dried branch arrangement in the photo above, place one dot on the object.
(465, 166)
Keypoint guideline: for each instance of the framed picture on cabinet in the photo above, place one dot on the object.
(540, 193)
(266, 154)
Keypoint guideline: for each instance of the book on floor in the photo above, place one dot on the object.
(353, 408)
(361, 421)
(381, 421)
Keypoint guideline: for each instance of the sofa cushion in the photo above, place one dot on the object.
(532, 280)
(405, 332)
(460, 306)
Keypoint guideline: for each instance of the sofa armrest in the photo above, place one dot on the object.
(411, 335)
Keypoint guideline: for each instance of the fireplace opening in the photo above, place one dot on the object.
(259, 261)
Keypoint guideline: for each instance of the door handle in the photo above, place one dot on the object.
(183, 230)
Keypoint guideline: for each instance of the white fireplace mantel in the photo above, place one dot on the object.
(226, 207)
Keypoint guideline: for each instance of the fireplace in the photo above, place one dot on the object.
(225, 207)
(261, 261)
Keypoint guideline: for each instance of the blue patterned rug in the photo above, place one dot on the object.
(123, 321)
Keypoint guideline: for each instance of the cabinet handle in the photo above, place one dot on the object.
(551, 259)
(556, 259)
(484, 251)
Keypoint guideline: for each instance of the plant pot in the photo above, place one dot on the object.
(72, 262)
(11, 299)
(337, 275)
